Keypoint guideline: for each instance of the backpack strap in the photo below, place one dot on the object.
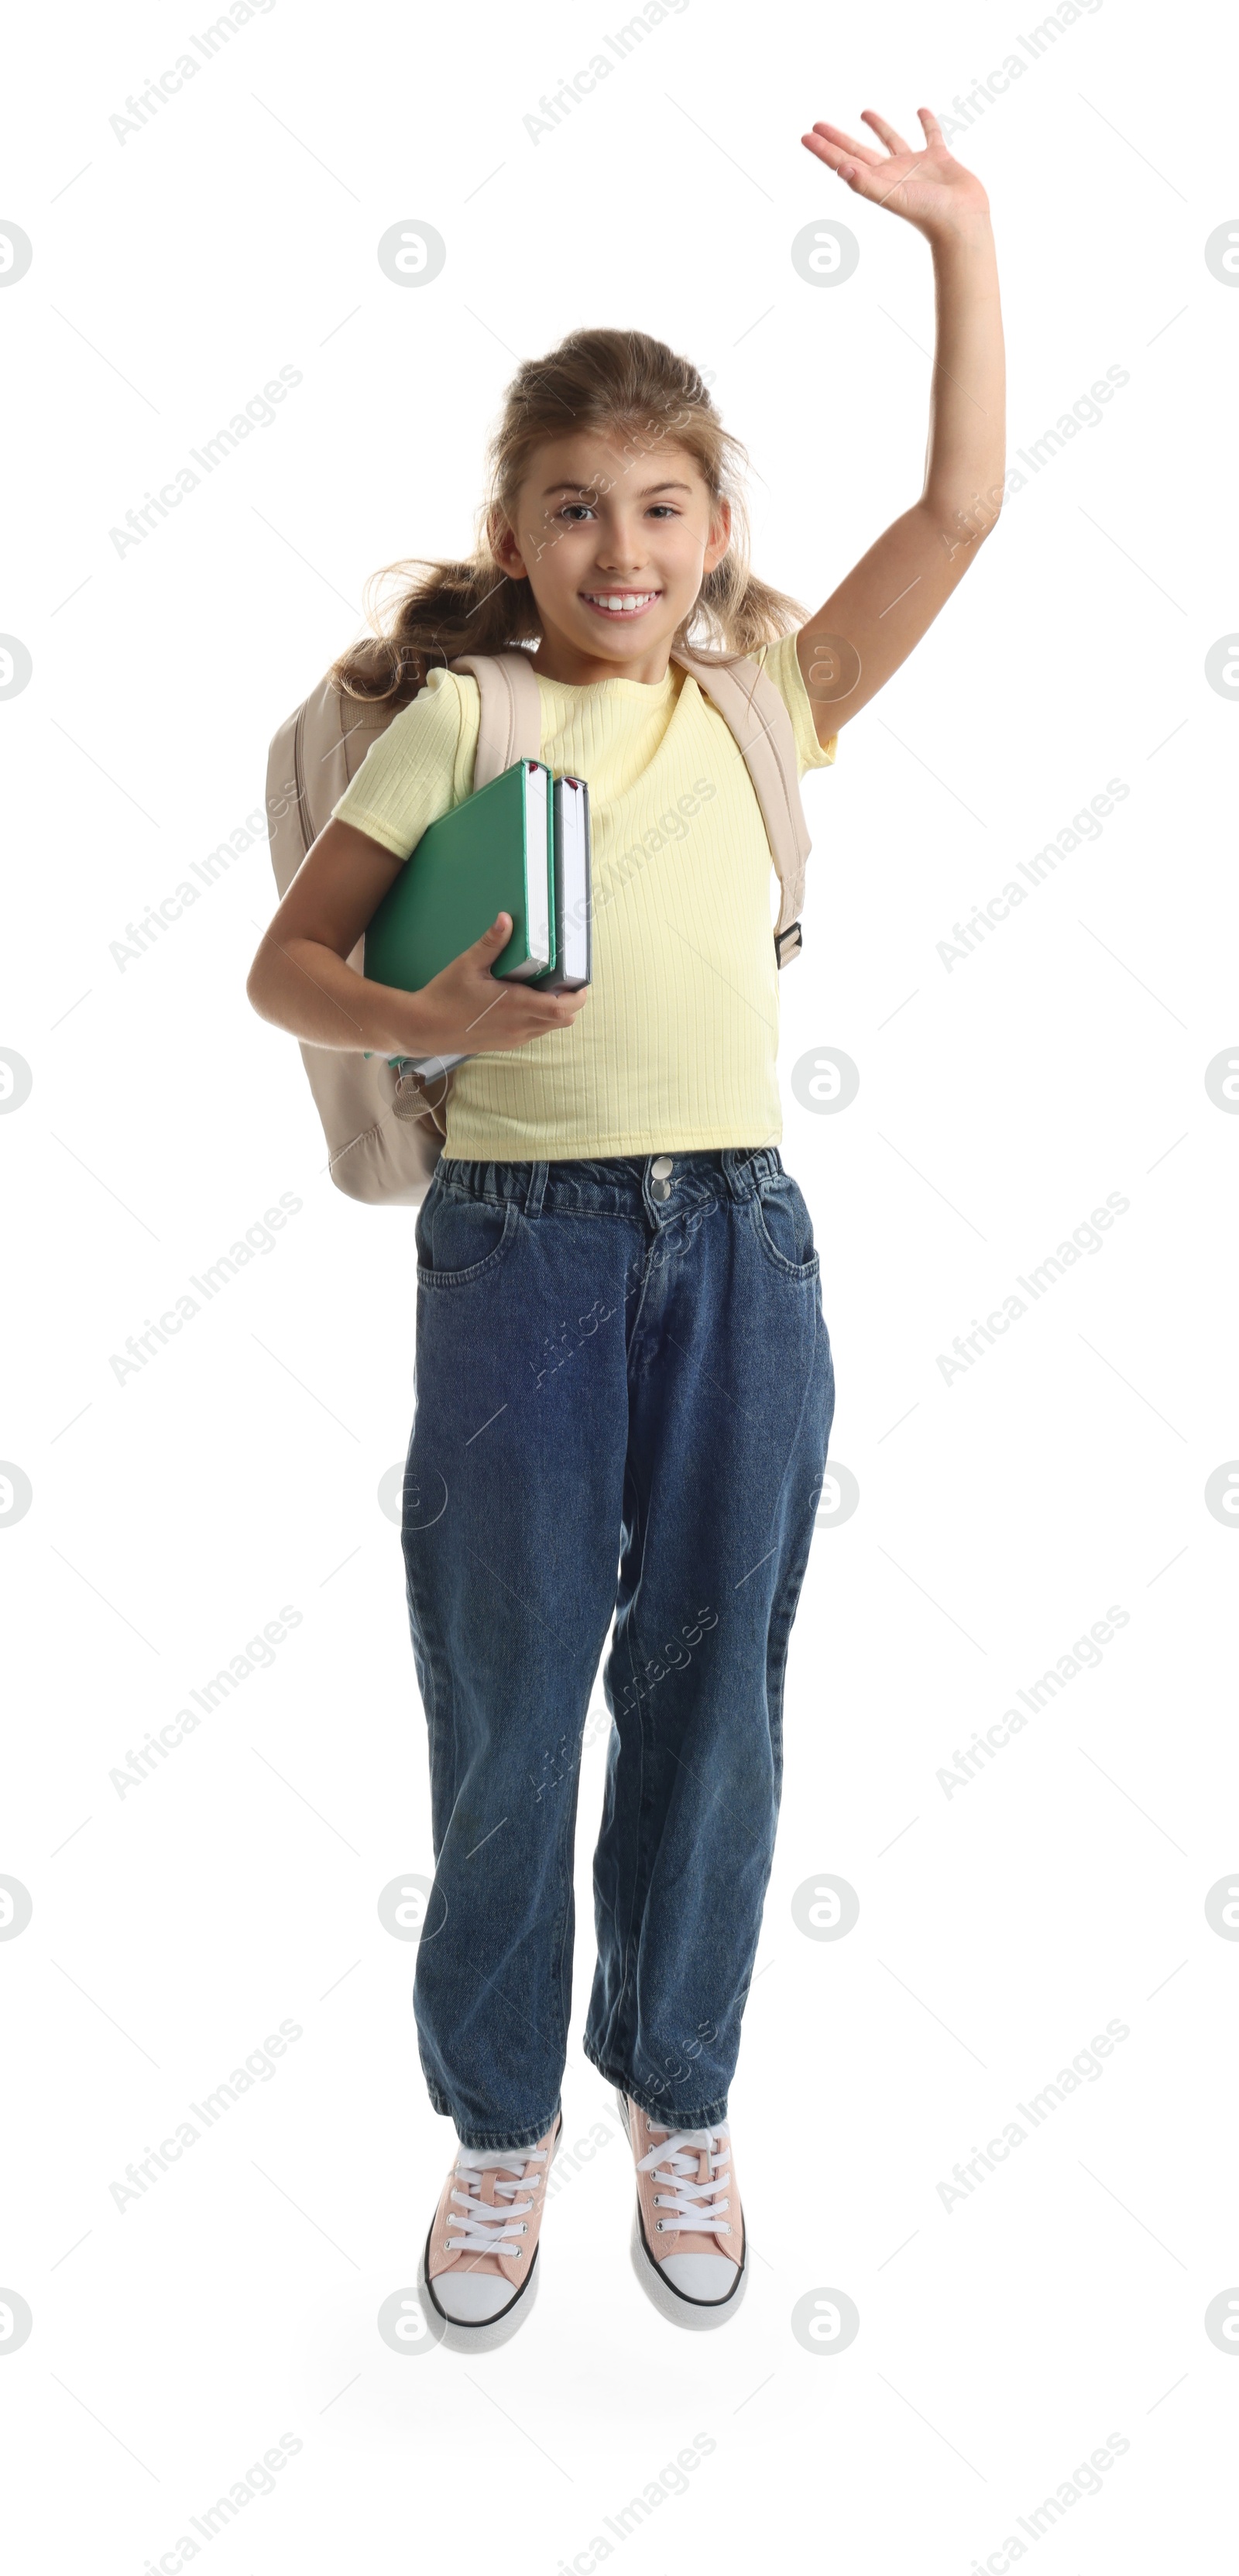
(751, 705)
(510, 727)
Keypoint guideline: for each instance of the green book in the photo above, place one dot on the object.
(494, 853)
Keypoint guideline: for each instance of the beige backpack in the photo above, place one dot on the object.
(385, 1129)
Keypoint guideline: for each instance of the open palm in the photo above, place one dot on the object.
(927, 187)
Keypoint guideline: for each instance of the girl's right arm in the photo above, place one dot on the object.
(301, 981)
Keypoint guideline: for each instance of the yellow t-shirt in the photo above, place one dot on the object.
(676, 1045)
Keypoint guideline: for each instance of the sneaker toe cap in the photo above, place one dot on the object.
(472, 2298)
(708, 2278)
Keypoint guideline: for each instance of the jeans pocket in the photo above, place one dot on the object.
(425, 1219)
(784, 1227)
(461, 1239)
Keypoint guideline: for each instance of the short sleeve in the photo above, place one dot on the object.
(418, 769)
(781, 664)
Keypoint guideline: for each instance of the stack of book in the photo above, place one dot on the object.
(521, 846)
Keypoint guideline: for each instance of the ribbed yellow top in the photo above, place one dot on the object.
(676, 1044)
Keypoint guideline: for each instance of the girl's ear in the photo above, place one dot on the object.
(720, 535)
(504, 547)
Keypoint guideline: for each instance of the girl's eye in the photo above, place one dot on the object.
(575, 511)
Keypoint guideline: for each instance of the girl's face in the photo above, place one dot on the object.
(615, 533)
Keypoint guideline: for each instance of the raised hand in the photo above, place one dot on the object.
(926, 186)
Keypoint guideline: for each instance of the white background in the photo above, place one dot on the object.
(1000, 1514)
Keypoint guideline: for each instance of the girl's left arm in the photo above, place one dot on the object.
(882, 608)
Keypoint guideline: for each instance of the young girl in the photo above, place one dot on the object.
(621, 1361)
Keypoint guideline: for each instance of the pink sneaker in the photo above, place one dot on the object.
(689, 2245)
(478, 2272)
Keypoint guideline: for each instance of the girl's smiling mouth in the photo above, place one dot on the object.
(619, 603)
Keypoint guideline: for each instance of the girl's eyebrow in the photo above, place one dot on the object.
(645, 495)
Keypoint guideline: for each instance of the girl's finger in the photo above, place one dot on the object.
(933, 131)
(863, 182)
(829, 153)
(847, 143)
(886, 133)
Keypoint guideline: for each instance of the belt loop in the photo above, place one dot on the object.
(746, 1166)
(537, 1189)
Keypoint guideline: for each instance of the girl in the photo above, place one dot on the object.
(620, 1353)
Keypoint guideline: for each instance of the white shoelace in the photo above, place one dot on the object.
(693, 2204)
(487, 2229)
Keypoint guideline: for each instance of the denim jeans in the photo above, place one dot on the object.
(624, 1393)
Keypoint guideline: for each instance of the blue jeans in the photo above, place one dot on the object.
(624, 1393)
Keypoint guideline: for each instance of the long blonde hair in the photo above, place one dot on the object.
(614, 381)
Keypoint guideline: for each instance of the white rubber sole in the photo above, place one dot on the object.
(697, 2315)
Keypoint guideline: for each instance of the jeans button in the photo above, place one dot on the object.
(660, 1166)
(661, 1189)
